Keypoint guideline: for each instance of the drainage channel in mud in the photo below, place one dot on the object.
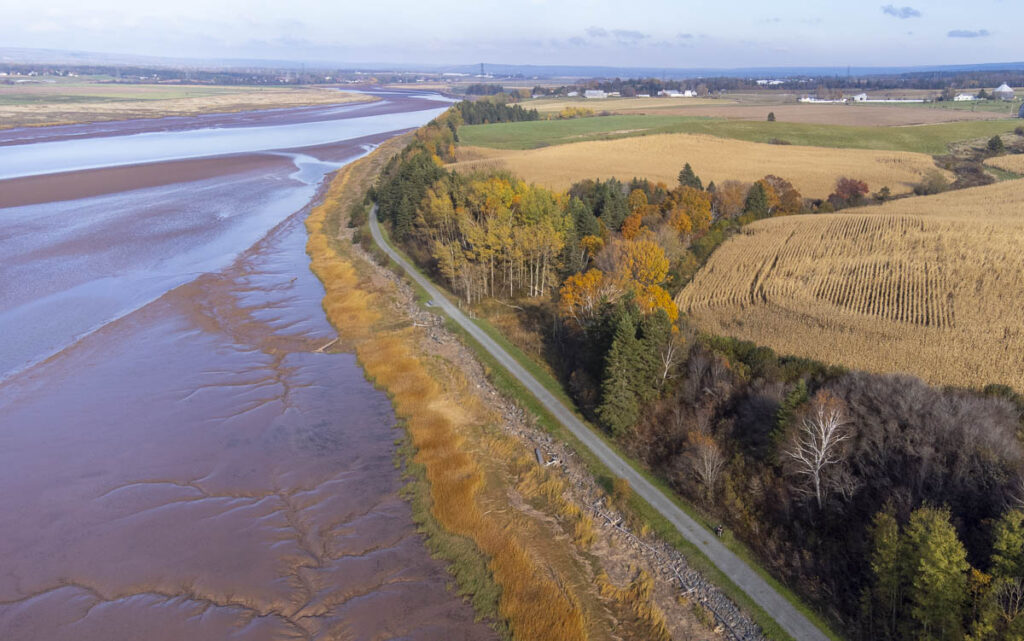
(201, 469)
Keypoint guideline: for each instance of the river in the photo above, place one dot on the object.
(179, 458)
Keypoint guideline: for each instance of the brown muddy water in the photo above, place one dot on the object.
(197, 467)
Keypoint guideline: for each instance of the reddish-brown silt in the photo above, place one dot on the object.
(198, 467)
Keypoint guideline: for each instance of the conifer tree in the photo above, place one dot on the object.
(887, 567)
(937, 569)
(687, 178)
(757, 201)
(1008, 546)
(620, 409)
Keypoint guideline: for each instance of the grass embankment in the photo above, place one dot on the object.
(928, 139)
(518, 570)
(638, 510)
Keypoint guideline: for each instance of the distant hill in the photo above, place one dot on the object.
(16, 55)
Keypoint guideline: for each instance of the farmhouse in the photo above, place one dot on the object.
(1003, 92)
(964, 97)
(594, 93)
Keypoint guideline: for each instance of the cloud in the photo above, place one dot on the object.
(597, 32)
(901, 12)
(684, 36)
(577, 41)
(627, 35)
(967, 33)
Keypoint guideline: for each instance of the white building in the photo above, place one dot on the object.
(1003, 92)
(861, 97)
(572, 94)
(822, 100)
(594, 93)
(964, 97)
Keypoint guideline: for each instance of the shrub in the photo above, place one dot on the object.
(357, 215)
(995, 144)
(771, 116)
(934, 183)
(1019, 131)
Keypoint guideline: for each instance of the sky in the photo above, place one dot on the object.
(637, 33)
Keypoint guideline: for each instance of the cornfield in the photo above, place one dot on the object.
(1014, 163)
(932, 286)
(812, 170)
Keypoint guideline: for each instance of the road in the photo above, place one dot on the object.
(776, 605)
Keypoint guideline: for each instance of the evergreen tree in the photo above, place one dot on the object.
(793, 401)
(613, 205)
(757, 201)
(655, 332)
(584, 219)
(937, 570)
(619, 409)
(689, 179)
(887, 591)
(1008, 546)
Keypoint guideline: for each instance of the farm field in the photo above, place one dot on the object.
(1014, 163)
(929, 286)
(812, 170)
(620, 105)
(851, 115)
(66, 103)
(928, 139)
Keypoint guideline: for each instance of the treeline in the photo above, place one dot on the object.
(484, 112)
(891, 505)
(484, 89)
(937, 81)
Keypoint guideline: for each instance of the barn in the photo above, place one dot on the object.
(1003, 92)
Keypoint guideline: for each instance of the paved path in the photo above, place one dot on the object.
(795, 623)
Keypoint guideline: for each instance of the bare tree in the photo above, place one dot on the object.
(706, 460)
(1010, 597)
(1017, 494)
(671, 355)
(818, 445)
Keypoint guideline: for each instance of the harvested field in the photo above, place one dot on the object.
(929, 286)
(812, 170)
(1014, 163)
(621, 105)
(49, 104)
(847, 115)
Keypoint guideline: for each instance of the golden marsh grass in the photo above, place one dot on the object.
(534, 601)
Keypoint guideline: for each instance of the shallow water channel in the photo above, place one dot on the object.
(178, 457)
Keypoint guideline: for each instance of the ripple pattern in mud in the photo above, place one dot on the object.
(200, 470)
